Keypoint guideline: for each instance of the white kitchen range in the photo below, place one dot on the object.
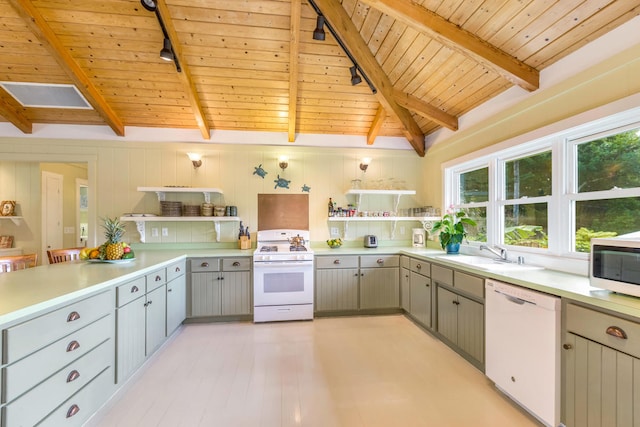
(282, 276)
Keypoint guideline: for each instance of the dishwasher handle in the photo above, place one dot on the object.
(515, 300)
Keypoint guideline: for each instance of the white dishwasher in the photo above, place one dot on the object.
(522, 330)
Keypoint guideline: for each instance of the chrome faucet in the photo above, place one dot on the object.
(501, 253)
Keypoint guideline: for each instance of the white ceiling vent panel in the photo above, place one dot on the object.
(46, 95)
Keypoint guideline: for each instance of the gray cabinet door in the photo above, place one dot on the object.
(379, 288)
(176, 303)
(130, 338)
(421, 298)
(602, 385)
(405, 289)
(156, 318)
(236, 293)
(448, 315)
(206, 295)
(336, 289)
(471, 328)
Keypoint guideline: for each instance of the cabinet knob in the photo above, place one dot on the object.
(204, 264)
(418, 266)
(236, 264)
(73, 375)
(134, 289)
(74, 315)
(73, 409)
(567, 346)
(336, 261)
(73, 345)
(380, 261)
(617, 332)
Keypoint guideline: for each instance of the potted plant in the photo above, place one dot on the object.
(452, 231)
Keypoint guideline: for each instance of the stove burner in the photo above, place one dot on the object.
(273, 248)
(294, 248)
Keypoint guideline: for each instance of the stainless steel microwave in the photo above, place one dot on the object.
(615, 265)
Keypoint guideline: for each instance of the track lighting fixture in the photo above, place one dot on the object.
(355, 78)
(150, 5)
(318, 33)
(167, 53)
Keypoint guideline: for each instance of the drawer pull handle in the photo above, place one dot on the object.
(134, 289)
(380, 261)
(177, 270)
(567, 346)
(74, 409)
(456, 302)
(204, 264)
(74, 315)
(73, 375)
(336, 261)
(158, 278)
(73, 345)
(617, 332)
(418, 266)
(169, 290)
(236, 264)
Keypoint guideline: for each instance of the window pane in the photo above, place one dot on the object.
(613, 161)
(605, 218)
(474, 186)
(528, 176)
(479, 232)
(526, 225)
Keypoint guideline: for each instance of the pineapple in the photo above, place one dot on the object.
(113, 232)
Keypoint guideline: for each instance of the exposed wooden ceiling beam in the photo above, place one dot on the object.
(428, 111)
(14, 116)
(294, 47)
(185, 74)
(343, 26)
(378, 120)
(432, 24)
(48, 38)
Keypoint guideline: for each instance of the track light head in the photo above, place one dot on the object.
(318, 33)
(167, 53)
(150, 5)
(355, 78)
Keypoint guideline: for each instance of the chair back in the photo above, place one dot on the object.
(17, 262)
(63, 255)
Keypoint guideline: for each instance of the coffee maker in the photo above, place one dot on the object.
(418, 237)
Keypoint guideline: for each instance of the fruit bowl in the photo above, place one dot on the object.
(334, 243)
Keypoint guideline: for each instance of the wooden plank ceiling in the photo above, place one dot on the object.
(253, 65)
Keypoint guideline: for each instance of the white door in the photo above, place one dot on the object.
(51, 213)
(82, 215)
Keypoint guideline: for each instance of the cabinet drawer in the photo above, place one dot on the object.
(27, 337)
(442, 275)
(156, 279)
(82, 405)
(205, 264)
(26, 373)
(594, 325)
(470, 284)
(420, 267)
(46, 396)
(236, 264)
(176, 269)
(405, 261)
(130, 291)
(344, 261)
(379, 261)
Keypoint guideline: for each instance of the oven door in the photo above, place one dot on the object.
(282, 283)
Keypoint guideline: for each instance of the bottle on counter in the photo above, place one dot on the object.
(331, 211)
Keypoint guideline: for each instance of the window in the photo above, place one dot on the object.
(607, 174)
(555, 194)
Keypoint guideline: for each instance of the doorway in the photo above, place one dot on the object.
(52, 184)
(82, 202)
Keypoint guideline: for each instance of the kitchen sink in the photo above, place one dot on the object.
(489, 264)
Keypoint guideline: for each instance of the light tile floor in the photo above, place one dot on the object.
(352, 372)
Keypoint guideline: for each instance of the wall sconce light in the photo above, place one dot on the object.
(318, 33)
(283, 162)
(364, 163)
(196, 159)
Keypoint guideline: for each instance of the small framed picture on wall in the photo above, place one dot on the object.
(7, 208)
(6, 242)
